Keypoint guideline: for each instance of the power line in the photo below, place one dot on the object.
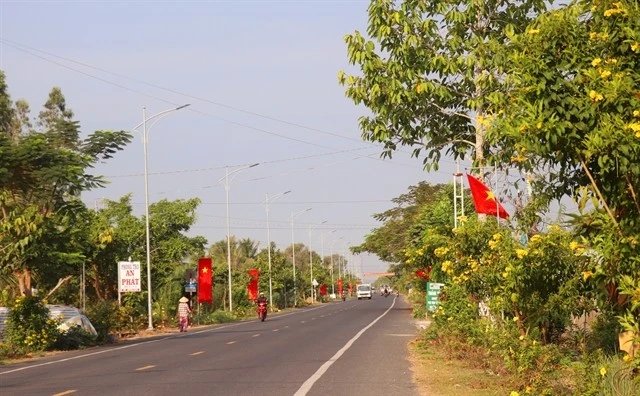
(18, 46)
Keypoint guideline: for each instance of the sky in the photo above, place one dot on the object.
(261, 81)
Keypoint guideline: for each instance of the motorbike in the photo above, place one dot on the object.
(386, 293)
(344, 296)
(262, 310)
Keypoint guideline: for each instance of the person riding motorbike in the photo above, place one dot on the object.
(261, 302)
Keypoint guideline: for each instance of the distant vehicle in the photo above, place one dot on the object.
(364, 291)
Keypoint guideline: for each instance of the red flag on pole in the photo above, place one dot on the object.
(339, 286)
(205, 279)
(323, 290)
(484, 200)
(252, 287)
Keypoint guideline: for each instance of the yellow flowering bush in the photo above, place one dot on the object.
(29, 327)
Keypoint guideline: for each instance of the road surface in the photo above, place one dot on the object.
(357, 347)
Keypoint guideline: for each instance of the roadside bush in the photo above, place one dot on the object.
(74, 338)
(218, 316)
(29, 327)
(103, 318)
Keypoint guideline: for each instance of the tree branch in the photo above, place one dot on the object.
(61, 281)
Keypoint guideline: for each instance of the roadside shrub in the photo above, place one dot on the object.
(599, 374)
(103, 318)
(218, 317)
(74, 338)
(29, 327)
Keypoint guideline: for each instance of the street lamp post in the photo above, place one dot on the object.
(311, 227)
(267, 201)
(143, 124)
(293, 254)
(225, 180)
(333, 290)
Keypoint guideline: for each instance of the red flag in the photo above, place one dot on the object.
(323, 290)
(252, 287)
(484, 200)
(205, 278)
(424, 274)
(339, 286)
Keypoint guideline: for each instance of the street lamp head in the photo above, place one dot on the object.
(253, 165)
(183, 106)
(286, 192)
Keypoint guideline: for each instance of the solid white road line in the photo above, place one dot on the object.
(306, 386)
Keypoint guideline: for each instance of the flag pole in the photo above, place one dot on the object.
(495, 175)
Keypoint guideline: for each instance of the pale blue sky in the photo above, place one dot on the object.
(276, 58)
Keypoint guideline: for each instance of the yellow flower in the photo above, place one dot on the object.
(593, 35)
(605, 73)
(603, 371)
(534, 31)
(514, 393)
(626, 358)
(586, 275)
(515, 318)
(535, 238)
(528, 389)
(595, 96)
(574, 245)
(539, 124)
(596, 62)
(636, 113)
(521, 253)
(612, 11)
(611, 61)
(521, 337)
(634, 126)
(635, 47)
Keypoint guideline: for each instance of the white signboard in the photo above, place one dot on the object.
(128, 276)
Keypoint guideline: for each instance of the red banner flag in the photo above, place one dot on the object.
(252, 287)
(339, 286)
(484, 200)
(205, 279)
(424, 274)
(323, 290)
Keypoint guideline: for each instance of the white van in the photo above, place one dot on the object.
(364, 291)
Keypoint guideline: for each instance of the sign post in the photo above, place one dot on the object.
(433, 290)
(128, 277)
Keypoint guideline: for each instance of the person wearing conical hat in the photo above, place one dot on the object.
(183, 313)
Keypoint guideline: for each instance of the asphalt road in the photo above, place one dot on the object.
(357, 347)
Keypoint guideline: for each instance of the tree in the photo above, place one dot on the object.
(436, 65)
(572, 118)
(389, 241)
(42, 174)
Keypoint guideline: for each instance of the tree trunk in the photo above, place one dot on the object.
(24, 281)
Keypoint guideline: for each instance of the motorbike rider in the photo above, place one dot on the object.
(261, 299)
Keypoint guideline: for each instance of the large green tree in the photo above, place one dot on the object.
(428, 69)
(572, 118)
(42, 173)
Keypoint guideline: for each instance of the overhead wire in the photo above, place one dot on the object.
(29, 49)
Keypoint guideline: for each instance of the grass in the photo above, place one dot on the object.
(436, 374)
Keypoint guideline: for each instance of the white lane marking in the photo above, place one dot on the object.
(70, 391)
(275, 330)
(231, 342)
(81, 356)
(256, 335)
(145, 368)
(156, 340)
(306, 386)
(196, 353)
(303, 321)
